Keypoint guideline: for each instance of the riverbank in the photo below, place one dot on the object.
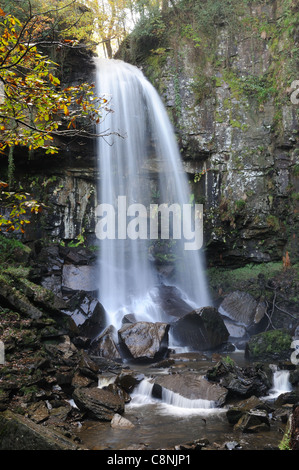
(56, 395)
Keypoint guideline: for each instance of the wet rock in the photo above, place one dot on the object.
(197, 444)
(106, 345)
(38, 412)
(253, 422)
(232, 445)
(95, 317)
(20, 433)
(287, 398)
(119, 422)
(128, 381)
(235, 413)
(242, 382)
(200, 330)
(79, 277)
(97, 403)
(191, 386)
(244, 309)
(144, 341)
(169, 298)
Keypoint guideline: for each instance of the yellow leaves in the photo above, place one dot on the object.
(66, 110)
(54, 80)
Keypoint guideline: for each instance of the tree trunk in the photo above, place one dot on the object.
(108, 48)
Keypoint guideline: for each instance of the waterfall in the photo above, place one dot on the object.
(139, 162)
(170, 401)
(281, 383)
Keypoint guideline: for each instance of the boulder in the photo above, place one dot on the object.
(20, 433)
(169, 298)
(244, 309)
(242, 382)
(94, 316)
(106, 345)
(144, 341)
(119, 422)
(201, 329)
(190, 386)
(253, 422)
(98, 403)
(235, 413)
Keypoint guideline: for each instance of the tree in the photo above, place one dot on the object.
(34, 109)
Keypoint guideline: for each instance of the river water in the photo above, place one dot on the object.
(163, 424)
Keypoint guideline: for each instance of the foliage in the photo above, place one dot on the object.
(12, 251)
(34, 107)
(270, 342)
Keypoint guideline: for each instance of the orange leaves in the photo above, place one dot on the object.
(54, 80)
(2, 12)
(286, 261)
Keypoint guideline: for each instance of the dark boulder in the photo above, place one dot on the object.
(200, 330)
(242, 382)
(106, 345)
(98, 403)
(144, 341)
(244, 309)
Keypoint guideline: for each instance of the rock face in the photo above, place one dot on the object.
(144, 340)
(200, 330)
(237, 128)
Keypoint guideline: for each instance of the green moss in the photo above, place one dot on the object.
(12, 251)
(234, 277)
(269, 344)
(273, 222)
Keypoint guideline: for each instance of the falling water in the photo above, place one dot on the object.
(170, 401)
(281, 383)
(140, 159)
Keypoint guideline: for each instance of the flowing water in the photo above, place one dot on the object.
(281, 383)
(173, 419)
(139, 164)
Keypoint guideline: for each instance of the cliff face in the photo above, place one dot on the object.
(228, 90)
(226, 82)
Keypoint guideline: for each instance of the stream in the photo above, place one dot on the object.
(174, 420)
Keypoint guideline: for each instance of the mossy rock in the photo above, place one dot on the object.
(269, 345)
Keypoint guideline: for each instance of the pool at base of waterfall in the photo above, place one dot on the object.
(169, 422)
